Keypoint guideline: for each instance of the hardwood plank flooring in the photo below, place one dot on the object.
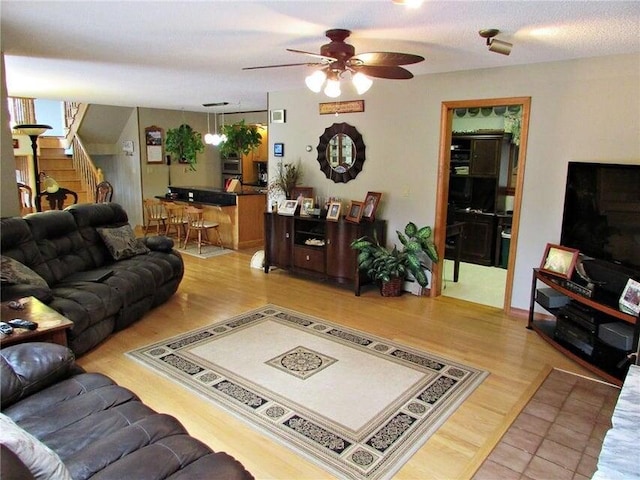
(220, 287)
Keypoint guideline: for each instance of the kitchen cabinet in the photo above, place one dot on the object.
(317, 247)
(478, 236)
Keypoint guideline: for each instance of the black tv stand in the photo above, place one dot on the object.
(545, 327)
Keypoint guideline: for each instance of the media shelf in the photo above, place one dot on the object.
(546, 327)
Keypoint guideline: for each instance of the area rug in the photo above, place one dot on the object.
(356, 405)
(207, 251)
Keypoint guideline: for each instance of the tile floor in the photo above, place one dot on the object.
(559, 433)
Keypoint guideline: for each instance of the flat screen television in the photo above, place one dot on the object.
(602, 213)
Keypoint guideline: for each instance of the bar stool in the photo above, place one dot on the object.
(176, 219)
(154, 215)
(197, 223)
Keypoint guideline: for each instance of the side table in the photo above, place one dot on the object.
(52, 327)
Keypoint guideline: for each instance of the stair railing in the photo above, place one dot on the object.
(89, 174)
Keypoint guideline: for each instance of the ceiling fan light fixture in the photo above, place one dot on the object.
(333, 88)
(361, 82)
(315, 80)
(409, 3)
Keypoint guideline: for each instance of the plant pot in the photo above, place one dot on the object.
(392, 288)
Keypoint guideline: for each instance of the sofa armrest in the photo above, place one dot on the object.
(13, 292)
(158, 243)
(29, 367)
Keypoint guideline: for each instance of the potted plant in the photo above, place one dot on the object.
(184, 143)
(390, 266)
(287, 176)
(240, 139)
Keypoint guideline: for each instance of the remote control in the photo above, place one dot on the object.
(20, 323)
(6, 328)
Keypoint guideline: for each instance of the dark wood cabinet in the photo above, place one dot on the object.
(485, 156)
(317, 247)
(478, 237)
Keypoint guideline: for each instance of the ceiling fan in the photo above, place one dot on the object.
(337, 57)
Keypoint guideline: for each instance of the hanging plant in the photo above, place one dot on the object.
(184, 143)
(241, 139)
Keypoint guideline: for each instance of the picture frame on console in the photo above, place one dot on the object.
(371, 202)
(559, 260)
(355, 212)
(333, 213)
(307, 207)
(288, 208)
(630, 299)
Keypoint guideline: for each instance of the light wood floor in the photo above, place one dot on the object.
(217, 288)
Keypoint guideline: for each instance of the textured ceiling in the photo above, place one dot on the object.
(179, 55)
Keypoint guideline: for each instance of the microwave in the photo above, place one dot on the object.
(232, 166)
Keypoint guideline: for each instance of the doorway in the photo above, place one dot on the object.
(443, 217)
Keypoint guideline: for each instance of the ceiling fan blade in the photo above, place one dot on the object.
(317, 55)
(383, 71)
(387, 59)
(283, 65)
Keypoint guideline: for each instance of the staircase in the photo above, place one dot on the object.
(53, 161)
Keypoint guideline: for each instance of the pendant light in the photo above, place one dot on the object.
(209, 139)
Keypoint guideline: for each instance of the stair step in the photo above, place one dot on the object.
(55, 163)
(51, 142)
(60, 174)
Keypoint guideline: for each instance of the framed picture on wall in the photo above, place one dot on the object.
(154, 138)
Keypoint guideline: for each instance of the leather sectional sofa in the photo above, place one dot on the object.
(61, 422)
(71, 255)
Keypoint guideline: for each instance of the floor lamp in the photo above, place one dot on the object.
(34, 130)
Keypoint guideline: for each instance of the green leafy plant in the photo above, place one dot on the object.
(383, 264)
(184, 143)
(241, 139)
(287, 176)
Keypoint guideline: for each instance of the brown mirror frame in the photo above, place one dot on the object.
(356, 138)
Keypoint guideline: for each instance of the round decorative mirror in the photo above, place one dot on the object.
(341, 152)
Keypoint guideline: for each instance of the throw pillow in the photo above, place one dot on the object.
(122, 242)
(16, 273)
(42, 462)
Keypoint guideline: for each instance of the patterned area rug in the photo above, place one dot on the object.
(207, 251)
(357, 405)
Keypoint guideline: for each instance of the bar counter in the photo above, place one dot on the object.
(241, 220)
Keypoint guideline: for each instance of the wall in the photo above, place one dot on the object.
(585, 110)
(155, 177)
(123, 171)
(9, 205)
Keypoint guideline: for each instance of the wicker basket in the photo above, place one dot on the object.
(392, 288)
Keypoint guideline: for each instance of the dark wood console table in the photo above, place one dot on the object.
(317, 247)
(546, 327)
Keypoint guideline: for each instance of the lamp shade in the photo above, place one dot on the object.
(361, 82)
(332, 89)
(315, 80)
(32, 129)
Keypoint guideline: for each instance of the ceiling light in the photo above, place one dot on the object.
(208, 138)
(333, 88)
(497, 46)
(409, 3)
(361, 82)
(316, 80)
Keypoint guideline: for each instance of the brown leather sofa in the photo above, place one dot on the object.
(96, 428)
(63, 249)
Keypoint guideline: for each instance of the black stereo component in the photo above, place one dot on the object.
(575, 287)
(574, 335)
(586, 317)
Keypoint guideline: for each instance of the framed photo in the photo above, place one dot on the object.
(355, 212)
(278, 116)
(559, 260)
(630, 298)
(333, 213)
(278, 149)
(154, 139)
(307, 207)
(288, 207)
(298, 193)
(371, 205)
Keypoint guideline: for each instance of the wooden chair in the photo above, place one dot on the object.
(197, 223)
(57, 200)
(176, 219)
(25, 197)
(104, 192)
(154, 215)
